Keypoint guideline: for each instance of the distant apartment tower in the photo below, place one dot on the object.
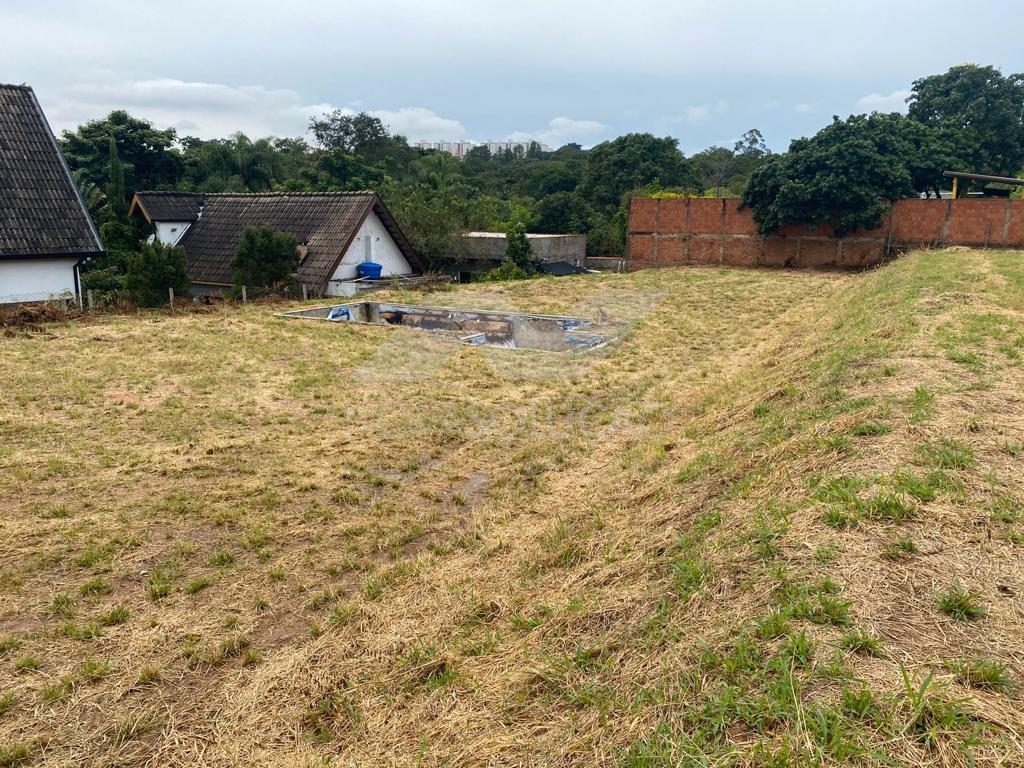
(456, 148)
(460, 149)
(500, 147)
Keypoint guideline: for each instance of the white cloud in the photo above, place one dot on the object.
(700, 114)
(878, 102)
(563, 130)
(806, 108)
(419, 123)
(211, 110)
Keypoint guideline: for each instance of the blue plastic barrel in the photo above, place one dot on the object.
(370, 269)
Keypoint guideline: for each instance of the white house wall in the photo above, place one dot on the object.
(372, 243)
(170, 232)
(36, 279)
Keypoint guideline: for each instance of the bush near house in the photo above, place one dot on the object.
(265, 258)
(154, 269)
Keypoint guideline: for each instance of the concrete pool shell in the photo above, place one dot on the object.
(480, 327)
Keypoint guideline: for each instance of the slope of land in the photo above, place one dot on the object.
(777, 523)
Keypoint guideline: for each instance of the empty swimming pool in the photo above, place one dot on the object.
(509, 330)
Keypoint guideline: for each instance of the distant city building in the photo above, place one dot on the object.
(460, 149)
(455, 148)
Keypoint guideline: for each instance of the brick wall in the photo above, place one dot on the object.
(716, 231)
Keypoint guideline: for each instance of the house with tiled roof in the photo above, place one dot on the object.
(336, 232)
(45, 229)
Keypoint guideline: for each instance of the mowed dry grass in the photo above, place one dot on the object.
(777, 523)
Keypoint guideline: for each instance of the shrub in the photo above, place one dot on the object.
(507, 271)
(152, 271)
(517, 247)
(265, 258)
(105, 283)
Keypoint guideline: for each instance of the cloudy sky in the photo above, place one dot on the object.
(555, 70)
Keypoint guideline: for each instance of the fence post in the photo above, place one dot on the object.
(305, 296)
(170, 295)
(92, 299)
(245, 297)
(80, 300)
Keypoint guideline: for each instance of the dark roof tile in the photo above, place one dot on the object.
(41, 212)
(325, 222)
(169, 206)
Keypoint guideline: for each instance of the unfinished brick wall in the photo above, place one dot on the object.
(716, 231)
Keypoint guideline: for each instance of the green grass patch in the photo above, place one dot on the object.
(961, 604)
(982, 673)
(946, 453)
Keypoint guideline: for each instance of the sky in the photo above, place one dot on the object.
(558, 71)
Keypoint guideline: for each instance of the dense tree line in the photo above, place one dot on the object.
(433, 194)
(970, 118)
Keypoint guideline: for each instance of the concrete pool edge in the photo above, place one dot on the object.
(493, 328)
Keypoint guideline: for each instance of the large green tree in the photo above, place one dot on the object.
(561, 212)
(236, 164)
(630, 162)
(984, 106)
(843, 176)
(716, 167)
(350, 133)
(151, 161)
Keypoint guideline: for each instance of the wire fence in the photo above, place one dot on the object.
(31, 310)
(64, 298)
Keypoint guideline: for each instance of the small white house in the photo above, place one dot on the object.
(336, 232)
(45, 229)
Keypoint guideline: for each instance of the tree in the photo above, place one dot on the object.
(926, 151)
(984, 106)
(716, 167)
(632, 161)
(570, 150)
(751, 145)
(561, 212)
(92, 194)
(843, 176)
(116, 195)
(350, 133)
(337, 171)
(428, 217)
(547, 177)
(154, 269)
(120, 235)
(265, 258)
(517, 247)
(236, 164)
(150, 159)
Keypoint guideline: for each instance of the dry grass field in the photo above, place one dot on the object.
(777, 523)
